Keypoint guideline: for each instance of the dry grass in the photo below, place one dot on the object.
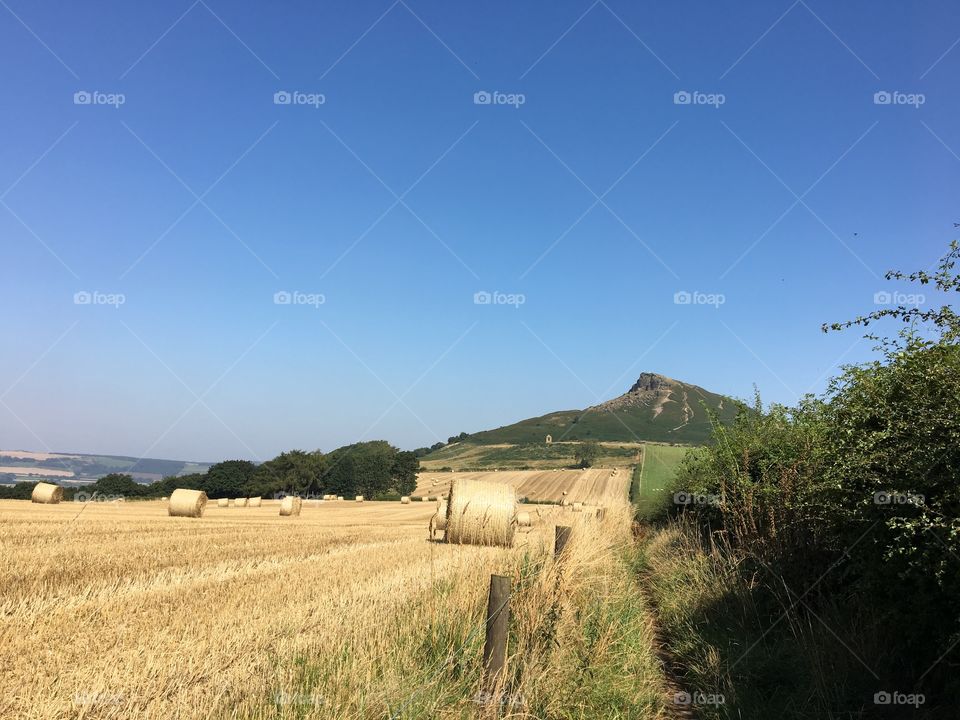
(346, 611)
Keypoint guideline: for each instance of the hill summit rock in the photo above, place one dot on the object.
(656, 408)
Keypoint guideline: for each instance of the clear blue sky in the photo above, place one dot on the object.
(398, 198)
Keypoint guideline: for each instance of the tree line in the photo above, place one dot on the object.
(372, 469)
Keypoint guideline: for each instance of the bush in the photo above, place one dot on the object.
(855, 494)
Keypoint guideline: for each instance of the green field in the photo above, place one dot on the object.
(652, 478)
(526, 456)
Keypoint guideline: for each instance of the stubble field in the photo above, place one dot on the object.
(348, 611)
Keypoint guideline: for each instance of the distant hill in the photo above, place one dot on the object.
(656, 409)
(24, 465)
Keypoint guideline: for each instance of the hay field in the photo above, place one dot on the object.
(347, 611)
(594, 486)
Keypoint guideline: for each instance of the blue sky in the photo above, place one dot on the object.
(390, 191)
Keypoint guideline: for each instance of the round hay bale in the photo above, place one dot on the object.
(441, 523)
(164, 498)
(254, 502)
(240, 502)
(438, 521)
(359, 498)
(187, 503)
(46, 493)
(578, 507)
(339, 498)
(223, 502)
(524, 520)
(405, 500)
(425, 499)
(290, 505)
(481, 513)
(564, 492)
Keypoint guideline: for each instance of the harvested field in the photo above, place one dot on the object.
(593, 486)
(121, 611)
(35, 471)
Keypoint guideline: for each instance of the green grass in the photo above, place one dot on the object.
(626, 424)
(735, 631)
(526, 456)
(653, 478)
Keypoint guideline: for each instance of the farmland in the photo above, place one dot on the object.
(594, 486)
(347, 611)
(655, 473)
(506, 456)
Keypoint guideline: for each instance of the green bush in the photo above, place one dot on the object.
(855, 494)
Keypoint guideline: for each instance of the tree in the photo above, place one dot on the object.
(294, 471)
(369, 469)
(587, 453)
(119, 484)
(406, 465)
(228, 478)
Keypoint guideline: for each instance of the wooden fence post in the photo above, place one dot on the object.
(561, 536)
(498, 626)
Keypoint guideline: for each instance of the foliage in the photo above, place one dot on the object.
(586, 453)
(855, 494)
(369, 469)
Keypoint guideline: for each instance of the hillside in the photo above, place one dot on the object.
(656, 408)
(22, 465)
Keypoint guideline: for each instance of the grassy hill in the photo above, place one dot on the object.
(20, 465)
(656, 408)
